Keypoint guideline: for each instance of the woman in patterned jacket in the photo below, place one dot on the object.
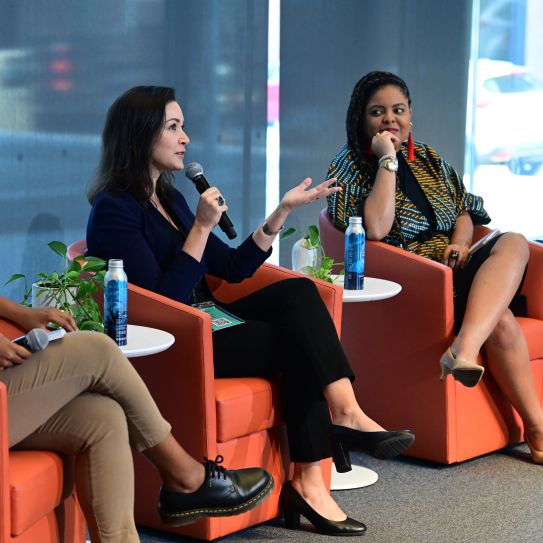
(410, 197)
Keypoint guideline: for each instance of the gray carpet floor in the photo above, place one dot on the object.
(492, 499)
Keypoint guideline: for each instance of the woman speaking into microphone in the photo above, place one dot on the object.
(139, 216)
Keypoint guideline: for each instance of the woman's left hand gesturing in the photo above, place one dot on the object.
(301, 195)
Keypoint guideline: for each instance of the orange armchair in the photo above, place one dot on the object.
(394, 346)
(37, 496)
(237, 418)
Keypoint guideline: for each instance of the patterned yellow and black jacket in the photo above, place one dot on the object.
(411, 230)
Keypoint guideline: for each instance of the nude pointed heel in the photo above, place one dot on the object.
(467, 373)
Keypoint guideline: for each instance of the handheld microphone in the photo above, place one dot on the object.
(195, 173)
(36, 340)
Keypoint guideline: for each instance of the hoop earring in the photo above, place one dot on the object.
(410, 148)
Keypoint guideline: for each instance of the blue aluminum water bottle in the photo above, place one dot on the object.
(355, 253)
(115, 302)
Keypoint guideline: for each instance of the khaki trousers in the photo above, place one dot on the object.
(82, 397)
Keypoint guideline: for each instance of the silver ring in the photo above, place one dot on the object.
(220, 200)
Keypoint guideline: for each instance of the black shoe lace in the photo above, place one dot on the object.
(213, 470)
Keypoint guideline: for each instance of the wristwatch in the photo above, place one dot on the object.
(389, 162)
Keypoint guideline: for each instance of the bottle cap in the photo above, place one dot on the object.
(115, 263)
(355, 220)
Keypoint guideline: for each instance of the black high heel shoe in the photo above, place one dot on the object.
(383, 445)
(294, 506)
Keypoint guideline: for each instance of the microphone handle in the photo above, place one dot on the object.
(227, 227)
(225, 224)
(23, 342)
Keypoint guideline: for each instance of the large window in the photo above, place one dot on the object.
(505, 131)
(63, 62)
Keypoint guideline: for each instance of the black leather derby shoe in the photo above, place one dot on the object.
(223, 493)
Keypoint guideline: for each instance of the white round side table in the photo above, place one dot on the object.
(143, 341)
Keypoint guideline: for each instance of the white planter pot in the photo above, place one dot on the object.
(48, 297)
(303, 257)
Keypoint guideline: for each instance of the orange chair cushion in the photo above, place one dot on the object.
(36, 480)
(246, 405)
(533, 331)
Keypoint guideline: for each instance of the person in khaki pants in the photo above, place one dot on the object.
(81, 396)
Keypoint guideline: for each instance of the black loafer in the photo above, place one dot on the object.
(223, 493)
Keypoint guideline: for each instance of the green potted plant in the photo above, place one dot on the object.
(71, 290)
(308, 255)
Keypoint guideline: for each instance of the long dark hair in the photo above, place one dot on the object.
(362, 93)
(134, 122)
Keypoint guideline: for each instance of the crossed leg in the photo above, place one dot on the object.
(488, 322)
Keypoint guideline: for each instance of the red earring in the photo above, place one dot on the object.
(410, 148)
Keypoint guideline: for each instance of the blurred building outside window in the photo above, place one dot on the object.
(505, 114)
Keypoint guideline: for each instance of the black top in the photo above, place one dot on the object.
(410, 186)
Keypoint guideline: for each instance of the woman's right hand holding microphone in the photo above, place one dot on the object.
(211, 206)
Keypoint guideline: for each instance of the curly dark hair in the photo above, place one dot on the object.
(362, 93)
(134, 122)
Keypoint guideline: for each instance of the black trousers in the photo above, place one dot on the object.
(288, 332)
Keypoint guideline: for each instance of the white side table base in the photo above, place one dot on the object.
(358, 477)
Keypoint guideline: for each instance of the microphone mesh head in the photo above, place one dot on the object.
(37, 339)
(192, 169)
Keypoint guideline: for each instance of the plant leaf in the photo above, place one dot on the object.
(91, 325)
(14, 277)
(327, 262)
(313, 235)
(58, 247)
(287, 233)
(75, 265)
(92, 266)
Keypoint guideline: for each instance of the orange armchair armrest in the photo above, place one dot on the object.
(427, 287)
(183, 375)
(10, 330)
(5, 511)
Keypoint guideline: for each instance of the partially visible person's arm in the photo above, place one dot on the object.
(10, 310)
(11, 354)
(28, 317)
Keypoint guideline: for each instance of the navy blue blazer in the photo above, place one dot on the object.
(151, 249)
